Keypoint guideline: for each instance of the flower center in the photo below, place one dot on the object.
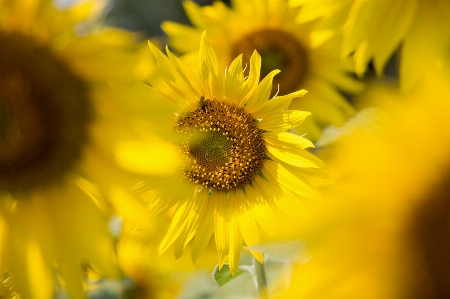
(225, 149)
(44, 112)
(278, 50)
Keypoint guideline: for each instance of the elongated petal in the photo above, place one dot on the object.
(183, 38)
(234, 79)
(295, 156)
(262, 93)
(265, 217)
(194, 12)
(178, 224)
(191, 226)
(290, 181)
(252, 81)
(235, 243)
(221, 223)
(176, 87)
(276, 104)
(287, 140)
(190, 77)
(250, 232)
(213, 77)
(204, 230)
(283, 120)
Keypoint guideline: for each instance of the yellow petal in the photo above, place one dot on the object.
(41, 281)
(191, 78)
(221, 224)
(250, 232)
(262, 93)
(210, 72)
(276, 104)
(253, 79)
(289, 180)
(295, 156)
(176, 87)
(160, 204)
(265, 217)
(183, 38)
(191, 227)
(235, 244)
(178, 224)
(204, 230)
(395, 23)
(283, 120)
(425, 43)
(180, 243)
(287, 140)
(234, 79)
(194, 13)
(268, 187)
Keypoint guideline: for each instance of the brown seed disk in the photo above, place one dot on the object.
(278, 50)
(225, 149)
(44, 115)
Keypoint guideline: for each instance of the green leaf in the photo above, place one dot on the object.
(224, 275)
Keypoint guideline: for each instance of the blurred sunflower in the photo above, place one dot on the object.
(238, 162)
(383, 230)
(269, 27)
(374, 30)
(52, 86)
(328, 16)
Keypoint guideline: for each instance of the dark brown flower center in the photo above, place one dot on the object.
(278, 50)
(225, 148)
(44, 114)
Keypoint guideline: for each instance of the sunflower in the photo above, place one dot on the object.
(238, 161)
(374, 30)
(53, 86)
(269, 27)
(382, 230)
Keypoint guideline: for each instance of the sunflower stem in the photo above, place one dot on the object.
(261, 280)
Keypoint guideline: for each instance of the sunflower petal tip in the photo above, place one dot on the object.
(301, 92)
(162, 247)
(203, 36)
(152, 47)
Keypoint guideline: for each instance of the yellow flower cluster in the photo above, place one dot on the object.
(302, 146)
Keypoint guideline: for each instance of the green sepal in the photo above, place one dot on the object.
(262, 176)
(224, 275)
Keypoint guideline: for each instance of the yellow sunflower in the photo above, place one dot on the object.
(374, 30)
(383, 229)
(269, 27)
(239, 162)
(53, 87)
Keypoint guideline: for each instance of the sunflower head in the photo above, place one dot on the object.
(279, 49)
(41, 136)
(239, 160)
(308, 58)
(53, 103)
(226, 150)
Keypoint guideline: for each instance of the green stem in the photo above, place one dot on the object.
(261, 280)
